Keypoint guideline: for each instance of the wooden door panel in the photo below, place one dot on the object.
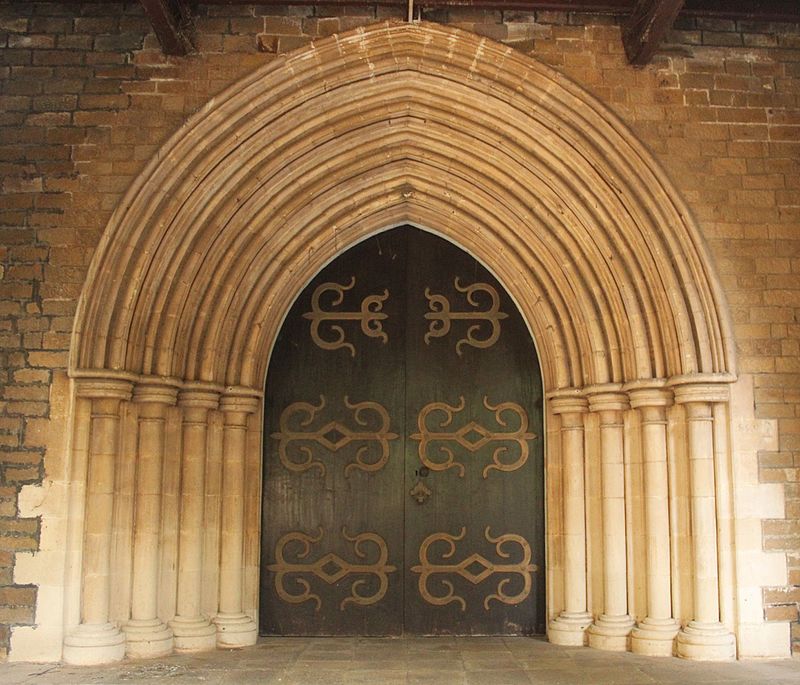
(474, 400)
(403, 481)
(332, 543)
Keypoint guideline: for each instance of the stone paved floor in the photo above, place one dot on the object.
(409, 661)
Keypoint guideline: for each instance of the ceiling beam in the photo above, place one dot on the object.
(583, 6)
(751, 10)
(646, 28)
(754, 10)
(172, 23)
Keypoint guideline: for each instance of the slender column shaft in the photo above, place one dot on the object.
(148, 513)
(568, 628)
(722, 479)
(610, 631)
(234, 628)
(192, 630)
(704, 638)
(190, 554)
(574, 514)
(96, 640)
(103, 447)
(230, 595)
(77, 510)
(656, 633)
(615, 587)
(654, 438)
(147, 636)
(704, 515)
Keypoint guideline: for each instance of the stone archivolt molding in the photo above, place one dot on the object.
(395, 124)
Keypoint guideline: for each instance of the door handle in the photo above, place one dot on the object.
(420, 492)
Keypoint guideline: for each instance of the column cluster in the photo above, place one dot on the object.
(97, 639)
(100, 637)
(658, 631)
(676, 420)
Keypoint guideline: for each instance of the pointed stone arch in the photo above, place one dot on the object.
(383, 126)
(397, 123)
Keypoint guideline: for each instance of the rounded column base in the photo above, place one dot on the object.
(706, 642)
(655, 637)
(94, 644)
(611, 633)
(193, 634)
(147, 639)
(569, 628)
(235, 630)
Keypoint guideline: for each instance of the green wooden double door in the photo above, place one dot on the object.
(403, 472)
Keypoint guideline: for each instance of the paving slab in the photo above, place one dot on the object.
(408, 661)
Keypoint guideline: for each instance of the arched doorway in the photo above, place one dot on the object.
(400, 124)
(403, 468)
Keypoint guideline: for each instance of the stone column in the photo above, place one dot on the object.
(612, 629)
(97, 640)
(234, 627)
(192, 631)
(705, 637)
(655, 635)
(147, 635)
(569, 627)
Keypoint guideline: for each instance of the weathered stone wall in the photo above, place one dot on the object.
(87, 98)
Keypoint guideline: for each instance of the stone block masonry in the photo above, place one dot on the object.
(87, 98)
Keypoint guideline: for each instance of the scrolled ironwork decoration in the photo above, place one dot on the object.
(370, 316)
(330, 568)
(296, 436)
(475, 568)
(441, 316)
(472, 436)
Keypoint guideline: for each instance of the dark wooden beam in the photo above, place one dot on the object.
(647, 27)
(750, 10)
(172, 23)
(753, 10)
(581, 6)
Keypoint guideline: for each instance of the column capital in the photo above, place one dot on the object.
(706, 388)
(649, 393)
(104, 388)
(567, 401)
(607, 397)
(156, 391)
(199, 395)
(239, 405)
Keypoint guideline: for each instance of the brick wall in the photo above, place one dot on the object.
(86, 98)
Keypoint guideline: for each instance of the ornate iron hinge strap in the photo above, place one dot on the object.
(370, 316)
(296, 440)
(475, 568)
(331, 568)
(472, 436)
(441, 316)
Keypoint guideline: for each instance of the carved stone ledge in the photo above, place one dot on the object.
(701, 388)
(651, 392)
(240, 400)
(98, 388)
(156, 392)
(197, 395)
(568, 401)
(607, 397)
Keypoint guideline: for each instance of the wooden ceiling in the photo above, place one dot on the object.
(645, 22)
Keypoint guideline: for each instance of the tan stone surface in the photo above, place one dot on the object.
(409, 661)
(240, 275)
(721, 121)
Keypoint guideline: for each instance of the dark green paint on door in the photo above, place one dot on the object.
(403, 473)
